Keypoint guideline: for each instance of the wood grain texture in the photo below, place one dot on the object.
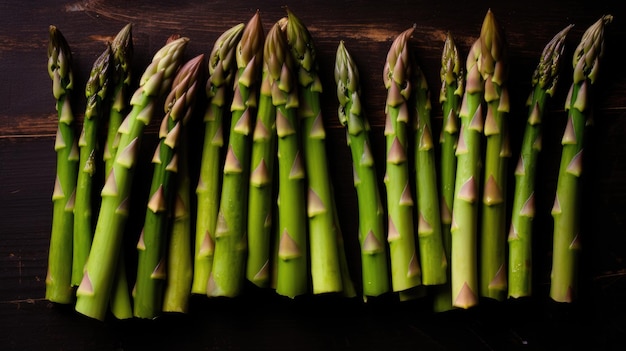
(263, 322)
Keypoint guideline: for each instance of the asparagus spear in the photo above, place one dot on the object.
(179, 251)
(89, 161)
(544, 83)
(405, 266)
(122, 51)
(151, 268)
(494, 70)
(261, 190)
(222, 69)
(566, 210)
(374, 267)
(228, 272)
(94, 291)
(464, 225)
(452, 89)
(432, 254)
(291, 268)
(122, 47)
(59, 275)
(323, 231)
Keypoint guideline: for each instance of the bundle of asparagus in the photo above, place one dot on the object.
(328, 262)
(566, 210)
(89, 160)
(152, 245)
(268, 174)
(94, 291)
(544, 83)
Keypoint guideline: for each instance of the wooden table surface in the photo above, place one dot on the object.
(259, 320)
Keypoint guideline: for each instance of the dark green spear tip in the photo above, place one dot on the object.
(59, 62)
(100, 75)
(300, 42)
(451, 68)
(397, 70)
(546, 74)
(348, 86)
(275, 54)
(345, 68)
(590, 50)
(123, 51)
(182, 95)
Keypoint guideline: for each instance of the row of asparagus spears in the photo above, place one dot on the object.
(265, 204)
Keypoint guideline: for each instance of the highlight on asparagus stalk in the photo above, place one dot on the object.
(544, 83)
(59, 275)
(494, 70)
(222, 69)
(292, 278)
(229, 261)
(152, 245)
(261, 198)
(430, 242)
(464, 227)
(450, 96)
(94, 291)
(566, 210)
(326, 249)
(89, 161)
(374, 258)
(123, 50)
(405, 265)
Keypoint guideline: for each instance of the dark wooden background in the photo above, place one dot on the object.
(259, 320)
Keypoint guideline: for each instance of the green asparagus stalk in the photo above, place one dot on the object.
(229, 262)
(94, 291)
(122, 47)
(405, 265)
(450, 96)
(494, 70)
(324, 231)
(89, 160)
(179, 251)
(464, 227)
(544, 83)
(292, 275)
(566, 210)
(374, 267)
(430, 241)
(222, 69)
(59, 275)
(261, 201)
(152, 245)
